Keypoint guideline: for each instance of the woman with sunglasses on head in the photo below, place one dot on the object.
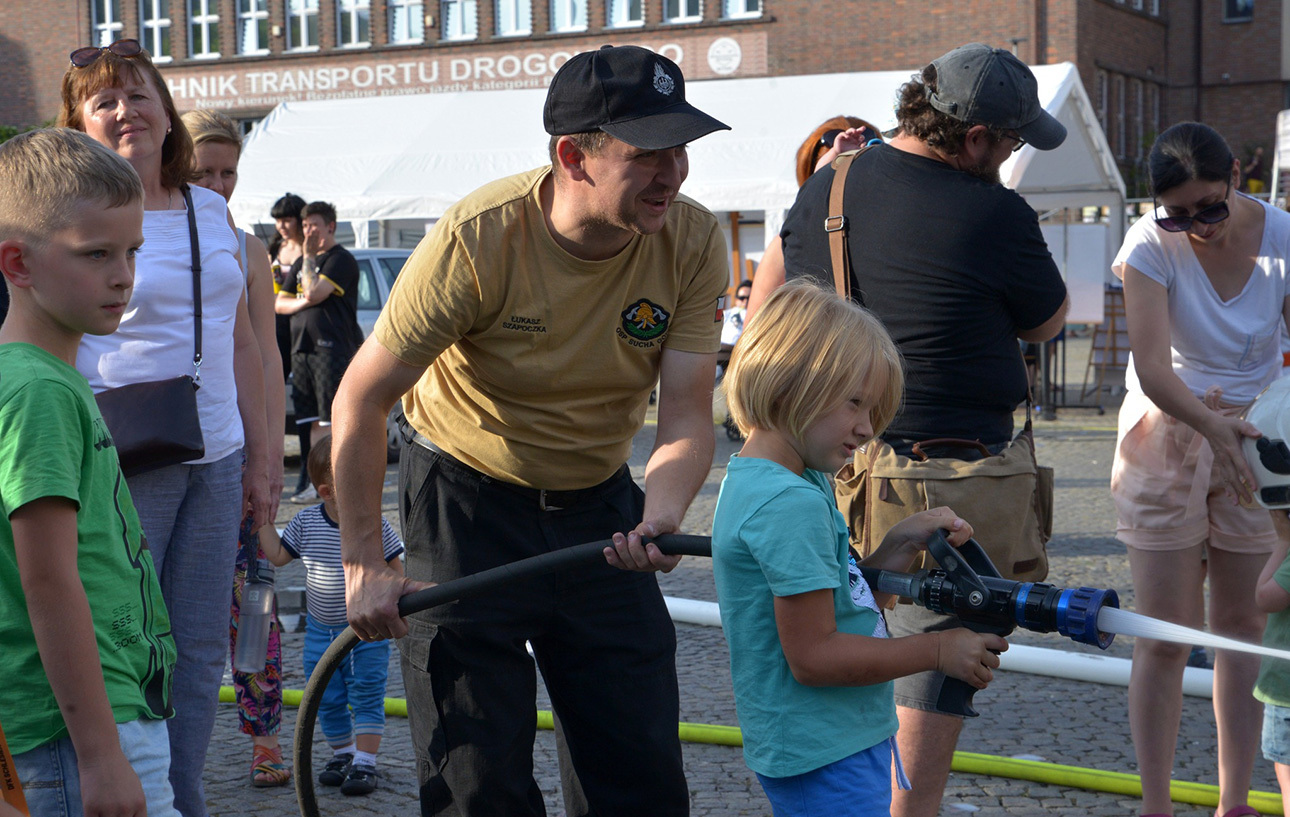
(189, 512)
(217, 148)
(1205, 291)
(835, 135)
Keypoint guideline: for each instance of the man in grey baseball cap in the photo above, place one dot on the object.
(955, 266)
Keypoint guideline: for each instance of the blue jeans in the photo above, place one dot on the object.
(51, 781)
(190, 516)
(358, 684)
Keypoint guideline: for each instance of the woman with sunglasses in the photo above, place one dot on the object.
(189, 512)
(1205, 296)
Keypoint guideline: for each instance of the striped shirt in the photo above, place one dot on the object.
(315, 538)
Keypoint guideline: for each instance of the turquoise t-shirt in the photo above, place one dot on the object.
(1273, 686)
(54, 443)
(775, 533)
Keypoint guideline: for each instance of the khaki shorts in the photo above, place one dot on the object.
(1161, 484)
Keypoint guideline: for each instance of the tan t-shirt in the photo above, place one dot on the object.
(540, 363)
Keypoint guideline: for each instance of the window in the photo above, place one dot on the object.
(407, 21)
(623, 13)
(1139, 134)
(353, 23)
(302, 25)
(1153, 109)
(203, 29)
(154, 28)
(459, 19)
(1154, 8)
(568, 15)
(743, 8)
(682, 11)
(252, 26)
(1238, 11)
(1100, 103)
(1137, 4)
(105, 27)
(1119, 117)
(514, 17)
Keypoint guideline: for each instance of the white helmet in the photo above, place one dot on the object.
(1269, 455)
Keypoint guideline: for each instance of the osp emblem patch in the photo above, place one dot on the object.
(645, 320)
(663, 83)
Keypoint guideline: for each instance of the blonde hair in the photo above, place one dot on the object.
(806, 352)
(205, 125)
(44, 173)
(112, 71)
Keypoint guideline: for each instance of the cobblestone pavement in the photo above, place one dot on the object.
(1065, 722)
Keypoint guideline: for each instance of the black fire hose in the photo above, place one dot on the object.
(469, 587)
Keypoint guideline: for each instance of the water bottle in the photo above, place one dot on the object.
(256, 615)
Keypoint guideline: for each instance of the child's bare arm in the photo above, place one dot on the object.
(819, 655)
(1269, 596)
(908, 538)
(45, 542)
(271, 545)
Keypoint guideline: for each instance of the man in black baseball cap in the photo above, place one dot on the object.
(527, 332)
(955, 266)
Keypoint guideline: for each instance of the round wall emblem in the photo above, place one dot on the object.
(724, 56)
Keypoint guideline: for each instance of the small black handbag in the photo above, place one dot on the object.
(155, 423)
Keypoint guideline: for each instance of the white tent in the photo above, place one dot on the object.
(410, 157)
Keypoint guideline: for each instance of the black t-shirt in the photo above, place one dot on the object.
(954, 266)
(333, 324)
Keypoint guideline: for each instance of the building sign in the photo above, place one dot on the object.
(266, 83)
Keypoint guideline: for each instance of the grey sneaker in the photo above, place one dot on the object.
(309, 494)
(336, 771)
(361, 779)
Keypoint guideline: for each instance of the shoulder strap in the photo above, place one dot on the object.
(197, 283)
(837, 227)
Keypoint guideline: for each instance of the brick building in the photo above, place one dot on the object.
(1144, 63)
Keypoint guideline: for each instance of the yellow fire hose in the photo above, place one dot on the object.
(1052, 774)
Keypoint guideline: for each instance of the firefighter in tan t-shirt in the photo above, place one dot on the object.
(527, 332)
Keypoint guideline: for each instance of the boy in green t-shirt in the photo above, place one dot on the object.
(87, 655)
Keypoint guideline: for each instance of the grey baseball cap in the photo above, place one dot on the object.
(989, 86)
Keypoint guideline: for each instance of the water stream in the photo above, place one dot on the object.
(1123, 622)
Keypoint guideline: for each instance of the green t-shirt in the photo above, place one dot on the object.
(1273, 686)
(54, 443)
(775, 533)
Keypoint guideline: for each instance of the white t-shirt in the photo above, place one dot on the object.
(1233, 344)
(155, 339)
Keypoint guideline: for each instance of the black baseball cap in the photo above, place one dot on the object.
(628, 92)
(990, 86)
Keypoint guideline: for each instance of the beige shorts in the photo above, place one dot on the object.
(1164, 497)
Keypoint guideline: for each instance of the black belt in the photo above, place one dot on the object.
(545, 499)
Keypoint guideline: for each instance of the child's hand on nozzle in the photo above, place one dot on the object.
(911, 534)
(968, 656)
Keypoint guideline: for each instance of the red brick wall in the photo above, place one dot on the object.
(1097, 35)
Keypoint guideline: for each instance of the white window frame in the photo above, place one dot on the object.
(413, 14)
(250, 17)
(298, 23)
(151, 24)
(739, 9)
(109, 29)
(1120, 131)
(1137, 4)
(565, 16)
(617, 14)
(353, 10)
(682, 16)
(461, 25)
(1155, 8)
(203, 16)
(514, 18)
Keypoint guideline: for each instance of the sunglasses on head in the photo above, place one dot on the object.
(1210, 215)
(84, 57)
(829, 136)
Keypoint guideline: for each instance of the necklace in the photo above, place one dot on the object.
(170, 199)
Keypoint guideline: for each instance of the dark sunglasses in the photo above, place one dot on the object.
(829, 136)
(1210, 215)
(84, 57)
(1020, 143)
